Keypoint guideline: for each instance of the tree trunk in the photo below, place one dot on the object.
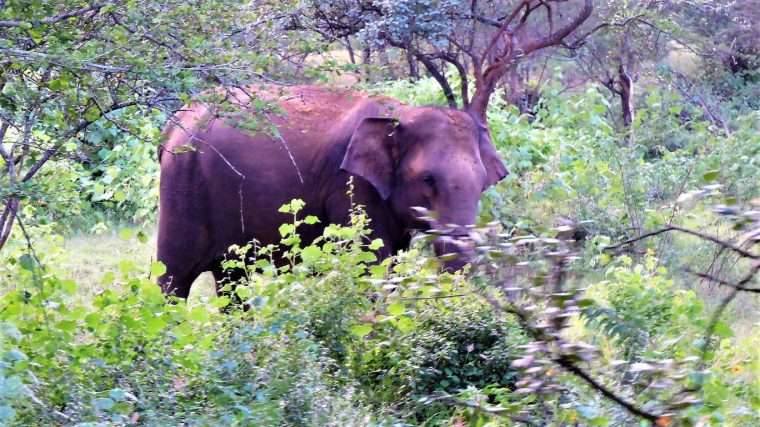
(626, 96)
(414, 71)
(367, 61)
(350, 49)
(6, 220)
(513, 87)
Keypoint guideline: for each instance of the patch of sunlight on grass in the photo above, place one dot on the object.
(86, 258)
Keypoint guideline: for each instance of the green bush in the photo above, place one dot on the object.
(127, 356)
(638, 305)
(455, 345)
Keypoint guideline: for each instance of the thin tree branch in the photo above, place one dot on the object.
(722, 282)
(574, 369)
(54, 19)
(669, 228)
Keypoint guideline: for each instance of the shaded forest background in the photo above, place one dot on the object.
(615, 281)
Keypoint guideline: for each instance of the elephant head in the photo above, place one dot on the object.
(435, 158)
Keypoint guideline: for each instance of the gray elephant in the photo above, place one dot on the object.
(222, 185)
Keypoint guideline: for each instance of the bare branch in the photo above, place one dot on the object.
(438, 76)
(54, 19)
(557, 37)
(574, 369)
(669, 228)
(722, 282)
(25, 55)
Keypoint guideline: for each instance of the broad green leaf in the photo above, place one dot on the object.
(244, 292)
(127, 266)
(396, 309)
(108, 278)
(103, 403)
(376, 244)
(286, 229)
(199, 314)
(154, 324)
(27, 262)
(361, 330)
(157, 268)
(311, 254)
(125, 233)
(711, 175)
(405, 324)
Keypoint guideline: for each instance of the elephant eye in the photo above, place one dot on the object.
(429, 179)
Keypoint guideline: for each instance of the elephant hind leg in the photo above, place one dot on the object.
(180, 274)
(185, 254)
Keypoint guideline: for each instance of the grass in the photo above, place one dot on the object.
(86, 258)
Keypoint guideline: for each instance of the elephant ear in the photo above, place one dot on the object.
(371, 153)
(495, 169)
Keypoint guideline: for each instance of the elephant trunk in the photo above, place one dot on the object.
(456, 249)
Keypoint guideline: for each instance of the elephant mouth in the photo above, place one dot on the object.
(455, 251)
(453, 244)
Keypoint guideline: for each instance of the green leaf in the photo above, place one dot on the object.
(221, 302)
(361, 330)
(311, 219)
(68, 286)
(723, 330)
(93, 320)
(366, 257)
(125, 234)
(108, 278)
(55, 84)
(599, 421)
(405, 324)
(199, 314)
(154, 324)
(157, 269)
(287, 229)
(103, 403)
(27, 262)
(376, 244)
(396, 309)
(711, 175)
(92, 114)
(293, 207)
(311, 254)
(126, 266)
(244, 292)
(35, 35)
(142, 237)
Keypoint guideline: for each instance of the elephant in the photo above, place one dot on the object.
(222, 183)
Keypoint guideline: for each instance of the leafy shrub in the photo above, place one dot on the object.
(639, 303)
(127, 356)
(121, 177)
(454, 346)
